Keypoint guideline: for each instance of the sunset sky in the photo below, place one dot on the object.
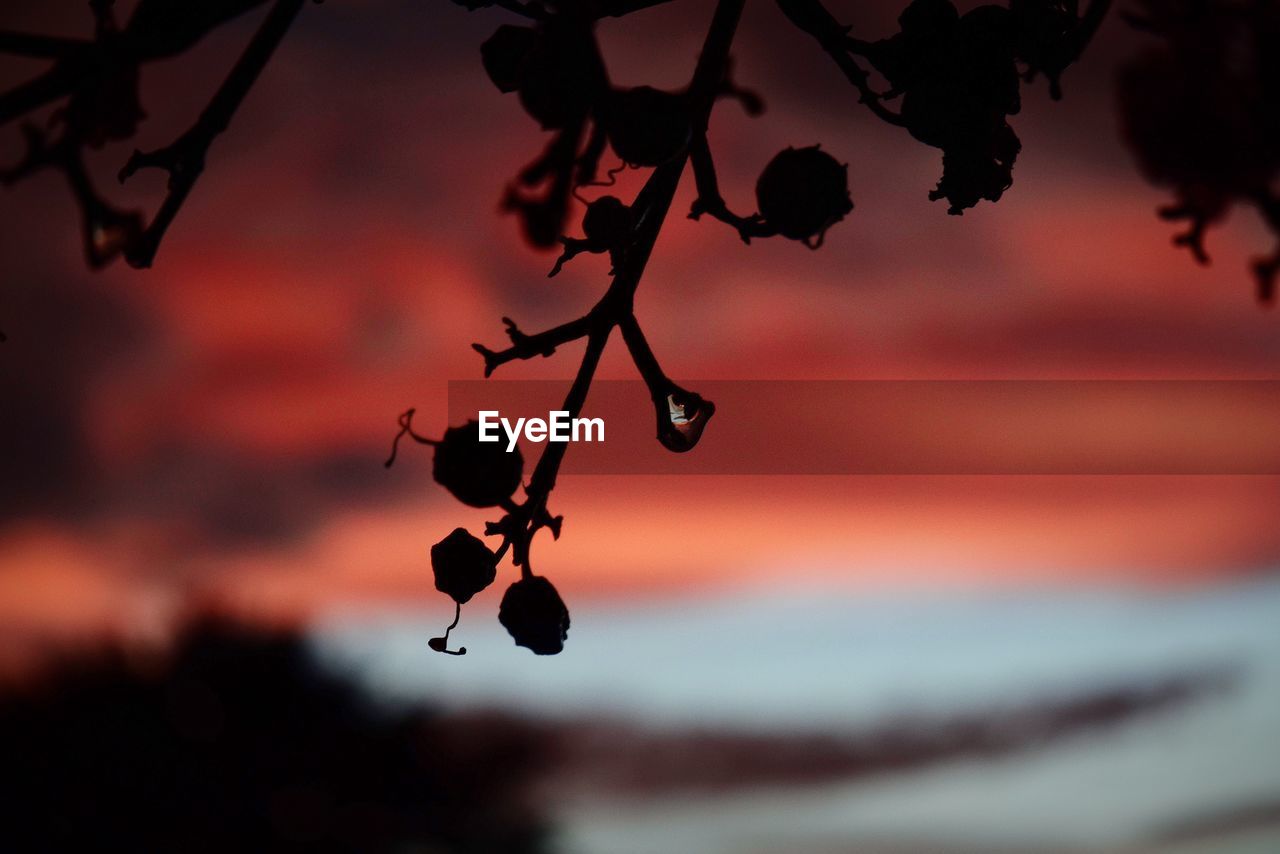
(215, 427)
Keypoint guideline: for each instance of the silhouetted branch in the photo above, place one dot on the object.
(1090, 21)
(184, 158)
(57, 82)
(156, 30)
(709, 200)
(1076, 41)
(646, 363)
(528, 346)
(615, 308)
(105, 230)
(813, 18)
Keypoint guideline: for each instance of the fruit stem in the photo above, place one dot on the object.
(406, 429)
(441, 644)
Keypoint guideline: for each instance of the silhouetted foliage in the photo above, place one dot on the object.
(1200, 111)
(236, 741)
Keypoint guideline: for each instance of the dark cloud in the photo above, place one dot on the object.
(602, 760)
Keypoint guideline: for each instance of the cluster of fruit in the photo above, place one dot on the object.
(484, 474)
(554, 67)
(959, 77)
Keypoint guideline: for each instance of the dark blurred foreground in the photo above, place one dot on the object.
(236, 741)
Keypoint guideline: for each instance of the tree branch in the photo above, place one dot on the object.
(652, 204)
(833, 37)
(709, 200)
(57, 82)
(529, 346)
(184, 158)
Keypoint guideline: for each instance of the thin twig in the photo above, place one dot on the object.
(529, 346)
(57, 82)
(709, 200)
(184, 158)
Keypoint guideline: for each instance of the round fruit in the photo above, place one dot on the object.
(559, 78)
(608, 222)
(646, 126)
(534, 614)
(504, 54)
(481, 474)
(463, 565)
(803, 192)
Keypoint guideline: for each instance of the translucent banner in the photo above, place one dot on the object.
(905, 427)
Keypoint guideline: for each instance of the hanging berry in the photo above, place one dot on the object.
(607, 226)
(505, 53)
(802, 193)
(463, 565)
(647, 126)
(608, 222)
(559, 77)
(535, 616)
(479, 474)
